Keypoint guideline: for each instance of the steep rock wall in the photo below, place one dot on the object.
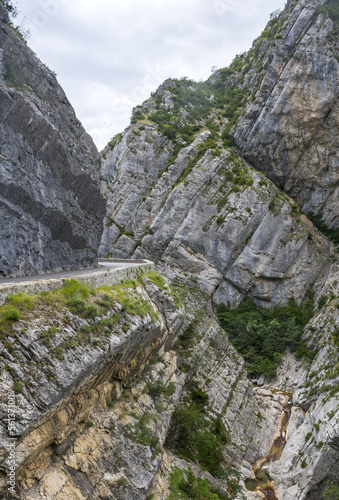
(289, 128)
(61, 371)
(224, 224)
(50, 202)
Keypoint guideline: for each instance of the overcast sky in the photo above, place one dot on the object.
(109, 55)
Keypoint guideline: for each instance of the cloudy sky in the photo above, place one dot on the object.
(109, 55)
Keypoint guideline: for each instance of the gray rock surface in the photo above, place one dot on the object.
(51, 209)
(290, 126)
(62, 380)
(234, 239)
(310, 457)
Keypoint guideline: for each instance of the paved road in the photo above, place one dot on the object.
(102, 267)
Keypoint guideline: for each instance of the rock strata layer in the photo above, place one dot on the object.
(289, 128)
(51, 208)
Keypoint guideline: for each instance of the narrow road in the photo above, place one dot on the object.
(104, 265)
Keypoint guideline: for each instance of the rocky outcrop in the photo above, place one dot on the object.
(310, 457)
(83, 364)
(51, 208)
(224, 224)
(178, 195)
(93, 424)
(289, 128)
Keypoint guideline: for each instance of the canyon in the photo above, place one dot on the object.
(132, 387)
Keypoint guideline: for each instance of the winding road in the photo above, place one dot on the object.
(103, 266)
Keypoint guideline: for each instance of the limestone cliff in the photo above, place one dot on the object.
(214, 218)
(289, 128)
(212, 182)
(177, 193)
(135, 391)
(92, 422)
(70, 354)
(51, 208)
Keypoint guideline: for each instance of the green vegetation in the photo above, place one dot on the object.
(157, 279)
(11, 9)
(82, 300)
(17, 386)
(113, 142)
(331, 491)
(331, 8)
(195, 436)
(184, 485)
(143, 434)
(262, 335)
(157, 388)
(331, 233)
(137, 116)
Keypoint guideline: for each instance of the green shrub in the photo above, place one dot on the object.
(184, 485)
(77, 306)
(331, 491)
(137, 116)
(17, 386)
(262, 335)
(331, 233)
(11, 314)
(113, 142)
(198, 439)
(157, 388)
(186, 340)
(331, 8)
(322, 301)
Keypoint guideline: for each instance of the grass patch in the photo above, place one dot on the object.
(157, 279)
(82, 300)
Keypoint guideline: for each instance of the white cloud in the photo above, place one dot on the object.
(111, 54)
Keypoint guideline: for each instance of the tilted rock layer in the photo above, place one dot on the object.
(212, 215)
(290, 125)
(51, 208)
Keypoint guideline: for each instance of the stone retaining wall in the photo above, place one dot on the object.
(95, 279)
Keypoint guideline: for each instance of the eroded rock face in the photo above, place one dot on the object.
(213, 216)
(54, 401)
(51, 208)
(225, 224)
(105, 436)
(290, 127)
(310, 457)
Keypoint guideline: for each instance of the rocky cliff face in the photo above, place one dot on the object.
(289, 127)
(214, 218)
(85, 352)
(94, 423)
(310, 458)
(139, 393)
(50, 202)
(180, 194)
